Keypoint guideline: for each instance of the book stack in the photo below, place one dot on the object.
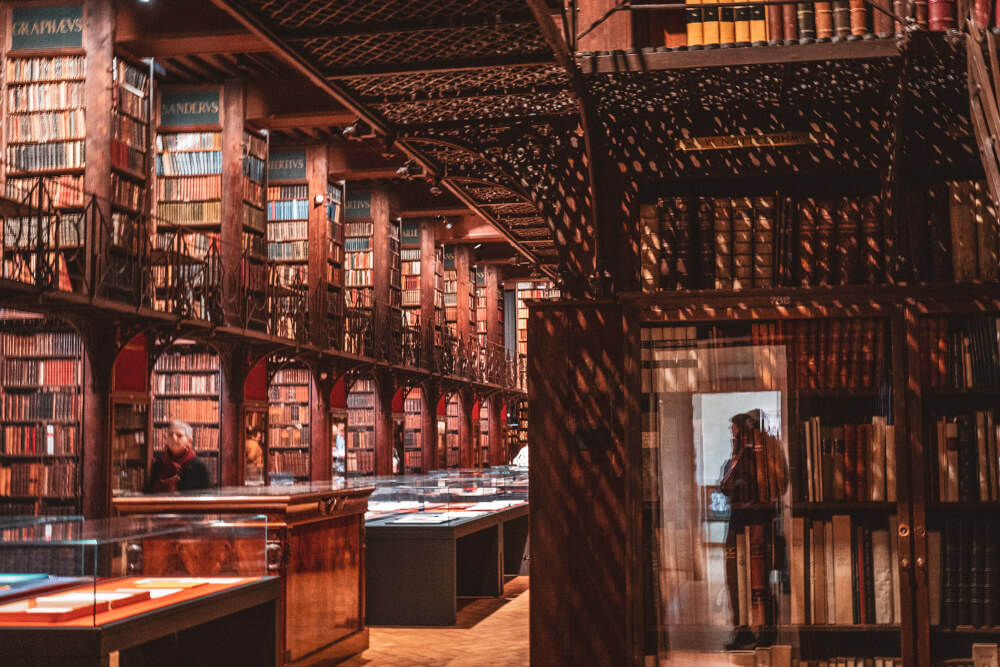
(963, 580)
(410, 265)
(959, 354)
(452, 444)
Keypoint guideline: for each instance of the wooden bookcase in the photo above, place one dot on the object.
(288, 431)
(410, 263)
(413, 432)
(449, 290)
(288, 204)
(130, 453)
(452, 452)
(40, 414)
(360, 445)
(186, 386)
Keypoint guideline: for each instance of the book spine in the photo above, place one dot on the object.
(806, 20)
(842, 15)
(710, 20)
(859, 19)
(759, 23)
(695, 26)
(941, 14)
(789, 23)
(881, 20)
(758, 574)
(775, 23)
(824, 21)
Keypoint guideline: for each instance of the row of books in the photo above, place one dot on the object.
(288, 436)
(963, 457)
(358, 229)
(125, 102)
(253, 169)
(47, 126)
(35, 372)
(189, 188)
(779, 655)
(411, 268)
(295, 276)
(255, 146)
(959, 354)
(194, 244)
(357, 243)
(963, 578)
(254, 245)
(289, 250)
(47, 439)
(56, 96)
(410, 297)
(288, 209)
(284, 414)
(127, 194)
(187, 213)
(842, 572)
(64, 190)
(358, 278)
(359, 295)
(189, 141)
(276, 192)
(52, 479)
(975, 239)
(204, 438)
(189, 164)
(131, 416)
(360, 399)
(413, 459)
(127, 158)
(291, 376)
(38, 157)
(288, 231)
(129, 479)
(289, 393)
(29, 70)
(296, 463)
(186, 409)
(129, 446)
(359, 260)
(129, 131)
(849, 462)
(47, 344)
(359, 438)
(411, 282)
(362, 462)
(44, 405)
(183, 383)
(410, 255)
(253, 218)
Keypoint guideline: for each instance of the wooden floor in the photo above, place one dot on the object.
(491, 632)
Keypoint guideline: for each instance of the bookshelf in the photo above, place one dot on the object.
(130, 458)
(449, 290)
(483, 313)
(453, 445)
(484, 432)
(410, 270)
(254, 228)
(359, 285)
(288, 205)
(186, 386)
(45, 145)
(255, 426)
(288, 431)
(335, 258)
(360, 445)
(439, 309)
(40, 414)
(395, 266)
(413, 432)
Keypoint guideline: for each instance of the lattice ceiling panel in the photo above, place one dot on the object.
(486, 194)
(520, 208)
(480, 81)
(425, 46)
(472, 108)
(291, 14)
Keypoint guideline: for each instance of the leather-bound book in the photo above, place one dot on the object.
(706, 244)
(963, 231)
(859, 20)
(775, 24)
(968, 479)
(872, 254)
(807, 242)
(881, 21)
(758, 574)
(991, 575)
(741, 22)
(949, 573)
(722, 212)
(824, 21)
(806, 19)
(841, 20)
(850, 462)
(758, 23)
(848, 230)
(695, 26)
(898, 9)
(789, 23)
(977, 576)
(864, 453)
(763, 242)
(825, 235)
(839, 464)
(941, 14)
(833, 351)
(742, 243)
(920, 13)
(963, 599)
(857, 339)
(710, 23)
(727, 27)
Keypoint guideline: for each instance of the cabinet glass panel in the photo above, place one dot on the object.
(769, 493)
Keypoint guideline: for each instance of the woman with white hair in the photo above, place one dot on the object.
(178, 468)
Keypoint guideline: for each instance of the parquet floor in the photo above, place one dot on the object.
(489, 633)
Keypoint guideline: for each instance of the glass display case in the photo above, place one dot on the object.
(446, 496)
(65, 572)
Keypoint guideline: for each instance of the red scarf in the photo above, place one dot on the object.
(171, 468)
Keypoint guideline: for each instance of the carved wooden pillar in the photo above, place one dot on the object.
(428, 268)
(319, 241)
(466, 438)
(428, 425)
(385, 387)
(231, 228)
(99, 44)
(320, 455)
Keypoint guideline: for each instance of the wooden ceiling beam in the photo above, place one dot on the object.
(211, 43)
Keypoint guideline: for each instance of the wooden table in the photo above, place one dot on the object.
(315, 544)
(233, 626)
(416, 572)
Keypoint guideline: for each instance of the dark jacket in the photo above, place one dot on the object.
(194, 476)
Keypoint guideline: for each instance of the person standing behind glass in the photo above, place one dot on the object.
(177, 467)
(338, 450)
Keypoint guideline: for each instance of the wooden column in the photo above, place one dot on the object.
(385, 387)
(231, 232)
(319, 241)
(233, 368)
(584, 450)
(98, 367)
(380, 211)
(428, 425)
(463, 263)
(320, 454)
(494, 328)
(498, 448)
(98, 40)
(466, 438)
(428, 267)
